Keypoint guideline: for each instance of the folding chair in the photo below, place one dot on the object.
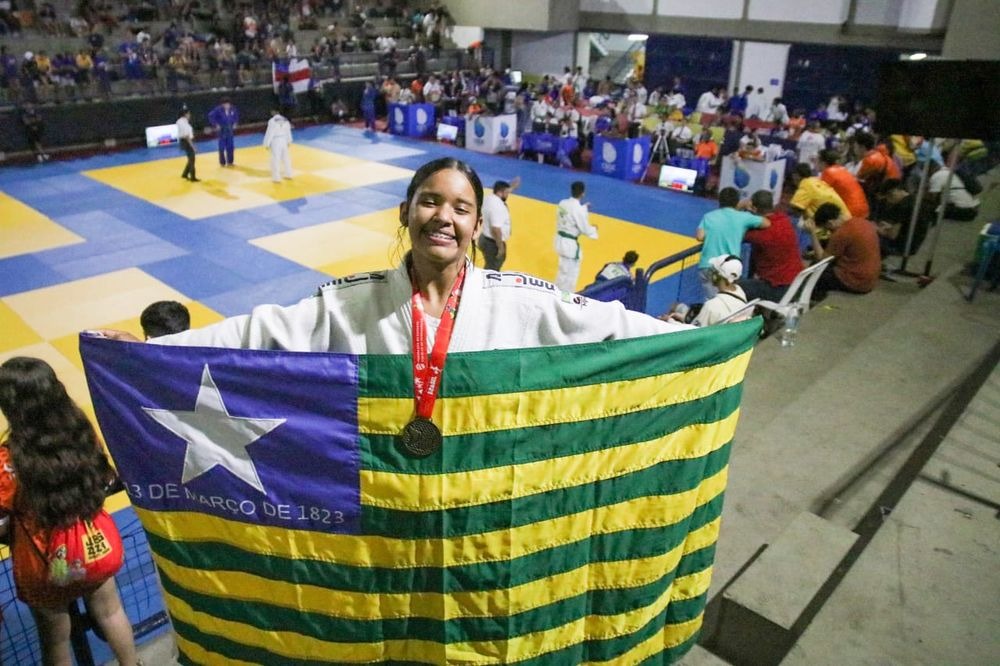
(798, 296)
(801, 289)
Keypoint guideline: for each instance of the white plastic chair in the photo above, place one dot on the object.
(799, 292)
(744, 312)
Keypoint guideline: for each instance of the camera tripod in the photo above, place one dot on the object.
(659, 150)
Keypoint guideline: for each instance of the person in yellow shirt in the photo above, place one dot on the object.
(901, 148)
(811, 193)
(84, 66)
(44, 64)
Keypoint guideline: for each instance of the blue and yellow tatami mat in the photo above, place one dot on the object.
(89, 243)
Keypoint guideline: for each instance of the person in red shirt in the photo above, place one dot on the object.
(844, 183)
(854, 243)
(775, 258)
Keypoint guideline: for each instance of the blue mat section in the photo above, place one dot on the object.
(210, 259)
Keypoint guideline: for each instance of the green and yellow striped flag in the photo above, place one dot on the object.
(570, 516)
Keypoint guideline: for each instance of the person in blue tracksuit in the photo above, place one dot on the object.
(224, 118)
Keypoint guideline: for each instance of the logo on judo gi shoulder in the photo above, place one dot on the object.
(352, 280)
(523, 281)
(573, 299)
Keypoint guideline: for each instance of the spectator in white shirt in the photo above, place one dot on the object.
(757, 106)
(569, 121)
(811, 142)
(710, 101)
(542, 114)
(675, 100)
(778, 113)
(962, 206)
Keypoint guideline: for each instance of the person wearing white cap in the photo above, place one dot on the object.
(726, 270)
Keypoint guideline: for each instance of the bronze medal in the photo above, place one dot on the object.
(420, 438)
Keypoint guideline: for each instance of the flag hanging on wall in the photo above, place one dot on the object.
(570, 516)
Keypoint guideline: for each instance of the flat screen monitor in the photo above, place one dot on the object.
(161, 135)
(677, 178)
(447, 132)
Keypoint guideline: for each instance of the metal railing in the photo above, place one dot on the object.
(644, 277)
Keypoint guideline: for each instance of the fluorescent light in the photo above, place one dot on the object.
(637, 37)
(917, 56)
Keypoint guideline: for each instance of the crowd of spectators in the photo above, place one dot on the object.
(852, 193)
(156, 47)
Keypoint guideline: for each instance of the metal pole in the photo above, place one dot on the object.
(945, 195)
(921, 191)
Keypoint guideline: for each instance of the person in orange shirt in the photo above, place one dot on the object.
(855, 246)
(567, 94)
(796, 124)
(877, 165)
(844, 184)
(706, 148)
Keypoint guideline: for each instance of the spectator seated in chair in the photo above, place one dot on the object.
(854, 244)
(725, 271)
(775, 257)
(963, 205)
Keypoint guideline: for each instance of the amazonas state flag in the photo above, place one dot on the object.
(570, 516)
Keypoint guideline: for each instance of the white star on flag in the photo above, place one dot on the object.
(213, 436)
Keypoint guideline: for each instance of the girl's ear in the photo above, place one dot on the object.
(403, 210)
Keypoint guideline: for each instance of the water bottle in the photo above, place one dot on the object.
(791, 328)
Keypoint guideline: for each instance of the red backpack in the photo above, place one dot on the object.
(88, 551)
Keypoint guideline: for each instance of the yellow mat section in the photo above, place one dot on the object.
(244, 186)
(95, 302)
(23, 229)
(363, 243)
(371, 241)
(14, 331)
(45, 323)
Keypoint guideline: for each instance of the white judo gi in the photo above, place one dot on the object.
(572, 221)
(369, 313)
(277, 139)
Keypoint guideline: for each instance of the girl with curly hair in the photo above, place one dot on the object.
(53, 473)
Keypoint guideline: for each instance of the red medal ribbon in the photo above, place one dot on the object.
(427, 371)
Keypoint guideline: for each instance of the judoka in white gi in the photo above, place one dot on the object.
(572, 222)
(277, 138)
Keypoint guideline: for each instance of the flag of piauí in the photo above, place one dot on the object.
(570, 516)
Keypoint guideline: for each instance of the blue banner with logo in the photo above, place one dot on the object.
(411, 119)
(491, 134)
(620, 158)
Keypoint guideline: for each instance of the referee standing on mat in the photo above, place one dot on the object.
(185, 134)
